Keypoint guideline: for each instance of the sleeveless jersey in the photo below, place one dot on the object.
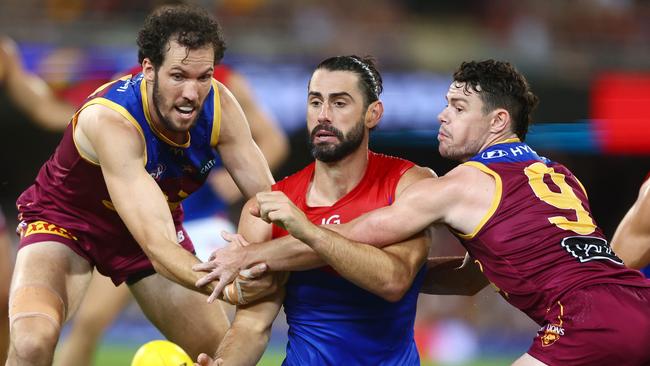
(332, 321)
(70, 192)
(205, 202)
(539, 239)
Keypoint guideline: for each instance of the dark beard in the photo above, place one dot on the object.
(157, 101)
(331, 153)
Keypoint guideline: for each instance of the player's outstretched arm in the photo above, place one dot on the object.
(631, 240)
(387, 272)
(105, 137)
(30, 93)
(399, 262)
(249, 333)
(240, 154)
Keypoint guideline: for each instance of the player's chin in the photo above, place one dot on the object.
(184, 125)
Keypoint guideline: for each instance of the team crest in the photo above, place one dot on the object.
(551, 333)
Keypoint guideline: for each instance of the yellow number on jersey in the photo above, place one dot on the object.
(565, 199)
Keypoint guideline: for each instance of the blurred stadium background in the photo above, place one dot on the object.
(588, 60)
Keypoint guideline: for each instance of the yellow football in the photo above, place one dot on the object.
(161, 353)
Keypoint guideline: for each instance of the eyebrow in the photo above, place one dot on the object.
(179, 68)
(331, 95)
(457, 99)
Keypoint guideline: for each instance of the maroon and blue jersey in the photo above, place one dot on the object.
(70, 195)
(331, 320)
(539, 239)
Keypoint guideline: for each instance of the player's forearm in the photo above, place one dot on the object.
(249, 333)
(283, 254)
(633, 249)
(370, 268)
(175, 263)
(243, 346)
(452, 276)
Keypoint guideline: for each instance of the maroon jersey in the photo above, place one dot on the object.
(69, 198)
(539, 240)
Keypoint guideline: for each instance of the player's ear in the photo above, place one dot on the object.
(500, 120)
(373, 113)
(148, 70)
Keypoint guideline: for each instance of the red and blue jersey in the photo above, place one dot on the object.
(539, 239)
(331, 320)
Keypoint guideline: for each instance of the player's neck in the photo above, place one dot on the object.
(498, 138)
(332, 181)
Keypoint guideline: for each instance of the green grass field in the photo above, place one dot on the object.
(113, 355)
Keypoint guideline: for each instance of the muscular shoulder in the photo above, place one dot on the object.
(228, 101)
(234, 126)
(469, 185)
(98, 125)
(414, 174)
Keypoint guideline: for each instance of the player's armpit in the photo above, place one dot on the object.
(453, 276)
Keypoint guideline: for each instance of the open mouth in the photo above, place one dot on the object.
(186, 111)
(324, 136)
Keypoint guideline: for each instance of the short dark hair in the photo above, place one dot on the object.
(370, 81)
(500, 85)
(190, 26)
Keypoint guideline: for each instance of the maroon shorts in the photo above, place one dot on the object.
(604, 324)
(115, 254)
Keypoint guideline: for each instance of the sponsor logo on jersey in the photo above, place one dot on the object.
(493, 154)
(205, 167)
(589, 248)
(43, 227)
(334, 219)
(157, 172)
(125, 86)
(550, 334)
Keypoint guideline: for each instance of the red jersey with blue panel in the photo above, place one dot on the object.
(331, 320)
(69, 201)
(541, 248)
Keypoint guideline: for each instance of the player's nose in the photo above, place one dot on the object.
(190, 90)
(442, 116)
(324, 114)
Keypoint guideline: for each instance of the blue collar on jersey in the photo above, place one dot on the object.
(510, 150)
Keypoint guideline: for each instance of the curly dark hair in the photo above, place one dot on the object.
(190, 26)
(500, 85)
(370, 81)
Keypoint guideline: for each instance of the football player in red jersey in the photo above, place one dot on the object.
(348, 312)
